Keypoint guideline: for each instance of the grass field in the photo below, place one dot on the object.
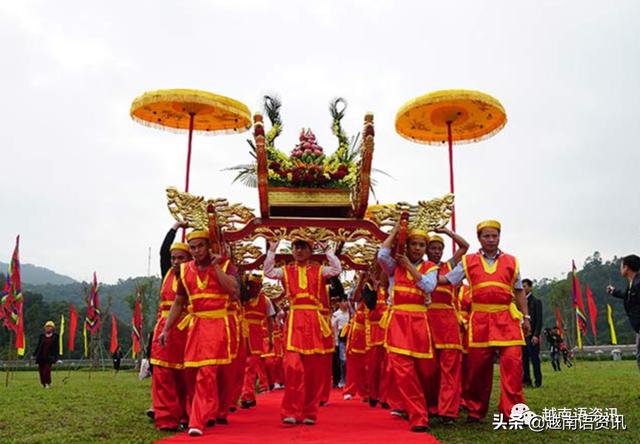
(111, 409)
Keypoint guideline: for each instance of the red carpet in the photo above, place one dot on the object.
(340, 421)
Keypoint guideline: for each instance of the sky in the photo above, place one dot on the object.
(84, 185)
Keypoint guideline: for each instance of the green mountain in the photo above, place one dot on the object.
(48, 302)
(35, 275)
(597, 274)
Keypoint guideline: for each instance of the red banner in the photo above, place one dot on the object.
(136, 333)
(114, 334)
(73, 325)
(593, 310)
(559, 320)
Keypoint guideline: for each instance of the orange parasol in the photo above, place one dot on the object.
(454, 115)
(190, 110)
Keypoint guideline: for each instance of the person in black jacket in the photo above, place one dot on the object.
(531, 350)
(629, 268)
(47, 352)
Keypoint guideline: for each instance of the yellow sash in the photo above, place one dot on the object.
(325, 328)
(211, 314)
(496, 308)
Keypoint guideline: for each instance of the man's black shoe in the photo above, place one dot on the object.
(420, 429)
(247, 404)
(385, 405)
(222, 421)
(211, 423)
(447, 420)
(373, 402)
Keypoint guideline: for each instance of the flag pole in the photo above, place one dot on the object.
(8, 370)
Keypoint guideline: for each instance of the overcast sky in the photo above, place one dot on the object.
(84, 185)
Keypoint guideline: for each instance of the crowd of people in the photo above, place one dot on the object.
(416, 334)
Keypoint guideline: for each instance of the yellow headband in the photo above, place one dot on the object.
(416, 232)
(436, 238)
(50, 324)
(488, 224)
(302, 239)
(180, 246)
(198, 234)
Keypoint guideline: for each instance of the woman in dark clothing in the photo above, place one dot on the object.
(47, 352)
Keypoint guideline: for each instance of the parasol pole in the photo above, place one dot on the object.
(186, 186)
(451, 187)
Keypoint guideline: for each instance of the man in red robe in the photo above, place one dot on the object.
(258, 316)
(494, 323)
(375, 298)
(168, 384)
(207, 285)
(408, 337)
(445, 328)
(305, 329)
(357, 382)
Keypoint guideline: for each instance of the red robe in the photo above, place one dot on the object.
(408, 340)
(375, 359)
(211, 340)
(493, 324)
(445, 391)
(168, 384)
(255, 317)
(305, 333)
(356, 381)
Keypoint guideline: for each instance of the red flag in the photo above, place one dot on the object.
(114, 333)
(73, 325)
(92, 321)
(136, 333)
(12, 303)
(559, 320)
(578, 303)
(593, 310)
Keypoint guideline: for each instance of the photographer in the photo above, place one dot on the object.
(554, 339)
(629, 267)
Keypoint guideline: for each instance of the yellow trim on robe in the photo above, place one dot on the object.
(211, 314)
(489, 269)
(208, 296)
(440, 306)
(409, 307)
(492, 308)
(166, 364)
(486, 284)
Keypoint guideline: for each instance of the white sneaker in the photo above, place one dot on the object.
(194, 432)
(289, 420)
(347, 397)
(309, 421)
(47, 386)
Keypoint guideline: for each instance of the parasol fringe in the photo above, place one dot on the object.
(458, 141)
(171, 129)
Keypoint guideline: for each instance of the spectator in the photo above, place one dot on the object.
(629, 268)
(117, 358)
(555, 341)
(47, 352)
(531, 349)
(339, 319)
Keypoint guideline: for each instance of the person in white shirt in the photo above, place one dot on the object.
(339, 319)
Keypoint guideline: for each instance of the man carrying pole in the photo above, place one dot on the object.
(207, 284)
(305, 329)
(494, 323)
